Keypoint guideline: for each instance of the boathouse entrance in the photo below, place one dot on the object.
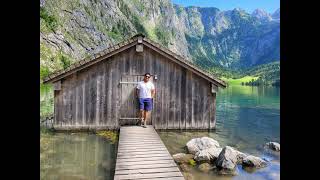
(129, 106)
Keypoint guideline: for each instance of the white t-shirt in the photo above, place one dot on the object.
(145, 89)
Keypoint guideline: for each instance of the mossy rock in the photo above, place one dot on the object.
(185, 167)
(205, 167)
(182, 158)
(110, 135)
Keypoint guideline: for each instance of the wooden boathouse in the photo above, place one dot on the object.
(98, 92)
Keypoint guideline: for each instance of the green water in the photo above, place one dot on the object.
(76, 156)
(247, 117)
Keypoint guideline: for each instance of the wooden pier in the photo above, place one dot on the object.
(142, 155)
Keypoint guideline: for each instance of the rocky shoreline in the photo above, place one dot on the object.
(206, 154)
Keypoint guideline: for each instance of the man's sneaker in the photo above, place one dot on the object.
(145, 124)
(141, 121)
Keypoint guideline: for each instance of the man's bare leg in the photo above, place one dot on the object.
(141, 116)
(146, 117)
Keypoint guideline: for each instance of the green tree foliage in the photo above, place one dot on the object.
(65, 61)
(50, 21)
(269, 74)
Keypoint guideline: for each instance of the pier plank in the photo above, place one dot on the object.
(142, 155)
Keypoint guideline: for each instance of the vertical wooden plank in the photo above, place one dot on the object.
(189, 109)
(114, 86)
(109, 96)
(73, 98)
(176, 97)
(155, 72)
(56, 107)
(102, 94)
(183, 98)
(211, 119)
(93, 94)
(158, 107)
(113, 92)
(106, 97)
(164, 94)
(88, 99)
(162, 89)
(80, 100)
(213, 123)
(76, 115)
(122, 72)
(97, 100)
(193, 124)
(139, 62)
(195, 102)
(133, 61)
(127, 62)
(84, 102)
(144, 61)
(167, 91)
(205, 123)
(64, 102)
(171, 95)
(117, 94)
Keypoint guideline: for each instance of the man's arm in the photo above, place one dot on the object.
(153, 92)
(137, 92)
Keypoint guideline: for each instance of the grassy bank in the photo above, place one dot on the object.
(238, 81)
(46, 100)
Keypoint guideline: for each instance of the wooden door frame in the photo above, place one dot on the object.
(124, 82)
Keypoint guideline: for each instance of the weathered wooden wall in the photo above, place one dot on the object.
(91, 97)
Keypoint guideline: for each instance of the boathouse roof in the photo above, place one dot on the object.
(115, 49)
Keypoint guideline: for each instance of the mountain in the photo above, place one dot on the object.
(261, 15)
(276, 14)
(234, 39)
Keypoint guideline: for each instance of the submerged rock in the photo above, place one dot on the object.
(185, 167)
(273, 145)
(182, 158)
(205, 167)
(253, 161)
(188, 176)
(208, 155)
(198, 144)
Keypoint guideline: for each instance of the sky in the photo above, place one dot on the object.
(248, 5)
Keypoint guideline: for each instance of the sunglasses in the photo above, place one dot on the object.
(147, 76)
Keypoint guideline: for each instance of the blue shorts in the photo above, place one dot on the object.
(145, 104)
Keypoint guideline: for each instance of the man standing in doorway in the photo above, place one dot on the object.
(145, 92)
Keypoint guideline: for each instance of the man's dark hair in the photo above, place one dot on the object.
(147, 74)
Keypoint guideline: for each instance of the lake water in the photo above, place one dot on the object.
(76, 156)
(247, 117)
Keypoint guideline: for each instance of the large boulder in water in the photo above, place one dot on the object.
(198, 144)
(229, 158)
(253, 161)
(273, 145)
(208, 155)
(182, 158)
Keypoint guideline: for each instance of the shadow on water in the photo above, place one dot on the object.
(76, 156)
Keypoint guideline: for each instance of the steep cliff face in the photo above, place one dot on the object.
(232, 39)
(71, 30)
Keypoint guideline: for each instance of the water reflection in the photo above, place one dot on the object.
(76, 156)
